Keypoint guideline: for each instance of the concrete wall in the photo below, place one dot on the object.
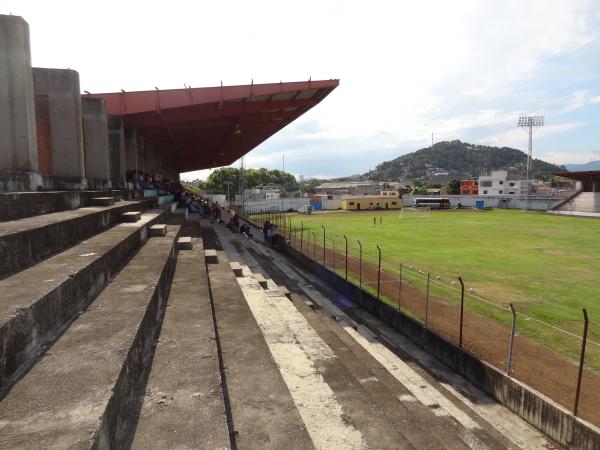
(95, 139)
(538, 203)
(60, 88)
(18, 143)
(538, 410)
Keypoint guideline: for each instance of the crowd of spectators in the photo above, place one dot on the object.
(195, 203)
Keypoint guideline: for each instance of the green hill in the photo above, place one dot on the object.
(459, 159)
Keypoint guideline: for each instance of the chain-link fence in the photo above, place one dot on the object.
(542, 355)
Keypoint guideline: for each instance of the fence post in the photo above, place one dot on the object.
(290, 229)
(324, 260)
(334, 255)
(400, 287)
(346, 239)
(295, 242)
(580, 374)
(301, 235)
(512, 339)
(427, 303)
(462, 309)
(359, 265)
(378, 271)
(314, 246)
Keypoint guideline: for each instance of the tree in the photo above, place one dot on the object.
(219, 180)
(452, 187)
(420, 188)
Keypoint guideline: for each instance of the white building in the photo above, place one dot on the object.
(497, 183)
(269, 192)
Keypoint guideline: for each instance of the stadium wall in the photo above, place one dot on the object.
(536, 409)
(538, 203)
(282, 204)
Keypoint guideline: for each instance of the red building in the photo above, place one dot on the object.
(469, 187)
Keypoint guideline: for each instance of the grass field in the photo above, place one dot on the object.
(548, 266)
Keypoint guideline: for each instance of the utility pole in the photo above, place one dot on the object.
(242, 184)
(527, 123)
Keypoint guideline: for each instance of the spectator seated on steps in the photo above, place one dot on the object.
(245, 230)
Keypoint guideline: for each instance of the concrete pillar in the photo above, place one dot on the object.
(60, 89)
(18, 143)
(131, 152)
(141, 154)
(116, 150)
(95, 140)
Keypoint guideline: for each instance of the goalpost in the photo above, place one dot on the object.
(410, 212)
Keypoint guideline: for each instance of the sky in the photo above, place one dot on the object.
(460, 69)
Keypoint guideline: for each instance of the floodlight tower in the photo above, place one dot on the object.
(527, 123)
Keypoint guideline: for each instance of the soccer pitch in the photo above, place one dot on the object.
(548, 266)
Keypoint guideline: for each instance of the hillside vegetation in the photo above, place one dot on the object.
(460, 159)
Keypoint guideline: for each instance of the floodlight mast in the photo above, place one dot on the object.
(527, 123)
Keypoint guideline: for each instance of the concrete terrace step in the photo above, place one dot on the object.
(366, 402)
(336, 411)
(37, 304)
(131, 216)
(18, 205)
(413, 395)
(103, 201)
(27, 241)
(360, 377)
(184, 406)
(263, 412)
(82, 393)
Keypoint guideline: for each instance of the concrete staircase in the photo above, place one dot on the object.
(82, 298)
(583, 204)
(119, 334)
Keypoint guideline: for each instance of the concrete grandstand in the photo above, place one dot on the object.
(127, 320)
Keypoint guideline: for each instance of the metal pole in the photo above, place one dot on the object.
(580, 374)
(301, 235)
(427, 303)
(334, 255)
(512, 339)
(378, 271)
(400, 287)
(359, 265)
(346, 239)
(324, 261)
(314, 246)
(295, 237)
(462, 309)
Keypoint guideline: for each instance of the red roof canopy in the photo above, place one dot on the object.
(200, 128)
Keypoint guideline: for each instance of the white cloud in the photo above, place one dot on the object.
(517, 137)
(562, 157)
(461, 68)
